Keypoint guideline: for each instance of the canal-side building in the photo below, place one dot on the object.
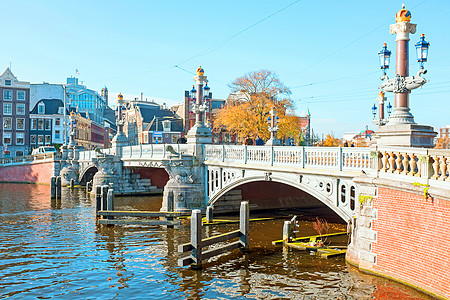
(14, 108)
(147, 122)
(86, 100)
(47, 123)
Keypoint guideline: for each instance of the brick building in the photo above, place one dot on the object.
(14, 115)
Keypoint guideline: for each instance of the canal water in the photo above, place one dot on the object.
(54, 250)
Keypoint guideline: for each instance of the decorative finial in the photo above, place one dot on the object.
(403, 15)
(120, 96)
(200, 71)
(381, 94)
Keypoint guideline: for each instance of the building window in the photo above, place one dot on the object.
(7, 95)
(20, 124)
(174, 139)
(20, 109)
(48, 125)
(19, 153)
(145, 138)
(48, 139)
(41, 108)
(40, 139)
(57, 122)
(157, 140)
(21, 95)
(7, 138)
(33, 139)
(61, 110)
(20, 138)
(7, 108)
(7, 123)
(40, 124)
(33, 124)
(57, 134)
(166, 125)
(7, 82)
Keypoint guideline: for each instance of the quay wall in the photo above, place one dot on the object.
(403, 235)
(36, 172)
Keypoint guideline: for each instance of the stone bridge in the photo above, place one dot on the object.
(395, 199)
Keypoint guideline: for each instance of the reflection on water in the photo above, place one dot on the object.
(53, 249)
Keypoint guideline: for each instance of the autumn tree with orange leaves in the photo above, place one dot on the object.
(255, 94)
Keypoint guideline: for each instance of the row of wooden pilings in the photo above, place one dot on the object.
(55, 186)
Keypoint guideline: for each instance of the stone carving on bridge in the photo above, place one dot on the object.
(185, 181)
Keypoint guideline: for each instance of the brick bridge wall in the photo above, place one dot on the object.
(403, 236)
(28, 173)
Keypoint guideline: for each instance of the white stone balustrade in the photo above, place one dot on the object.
(418, 162)
(334, 158)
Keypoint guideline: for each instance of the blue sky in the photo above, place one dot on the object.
(325, 51)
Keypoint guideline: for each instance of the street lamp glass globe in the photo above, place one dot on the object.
(422, 50)
(374, 109)
(389, 108)
(193, 93)
(384, 55)
(269, 119)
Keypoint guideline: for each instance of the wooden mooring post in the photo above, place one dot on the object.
(72, 183)
(209, 214)
(104, 193)
(88, 186)
(58, 187)
(110, 202)
(197, 255)
(53, 187)
(287, 231)
(98, 199)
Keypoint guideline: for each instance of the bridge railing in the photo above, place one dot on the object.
(430, 164)
(304, 157)
(29, 158)
(151, 150)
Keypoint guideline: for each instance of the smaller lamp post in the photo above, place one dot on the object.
(273, 121)
(381, 120)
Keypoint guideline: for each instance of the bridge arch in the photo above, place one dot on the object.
(339, 206)
(87, 174)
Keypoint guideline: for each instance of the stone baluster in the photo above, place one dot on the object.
(435, 167)
(443, 166)
(391, 162)
(385, 161)
(398, 163)
(405, 163)
(412, 165)
(448, 169)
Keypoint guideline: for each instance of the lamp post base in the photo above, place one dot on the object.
(405, 135)
(273, 142)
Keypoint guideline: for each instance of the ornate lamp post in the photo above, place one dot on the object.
(400, 128)
(72, 123)
(381, 120)
(272, 121)
(402, 84)
(199, 133)
(120, 139)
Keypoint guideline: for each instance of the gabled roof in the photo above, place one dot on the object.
(8, 73)
(176, 124)
(150, 112)
(51, 106)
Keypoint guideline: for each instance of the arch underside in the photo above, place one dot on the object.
(335, 193)
(88, 170)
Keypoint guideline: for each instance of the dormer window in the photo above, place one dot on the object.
(7, 82)
(41, 108)
(166, 125)
(61, 110)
